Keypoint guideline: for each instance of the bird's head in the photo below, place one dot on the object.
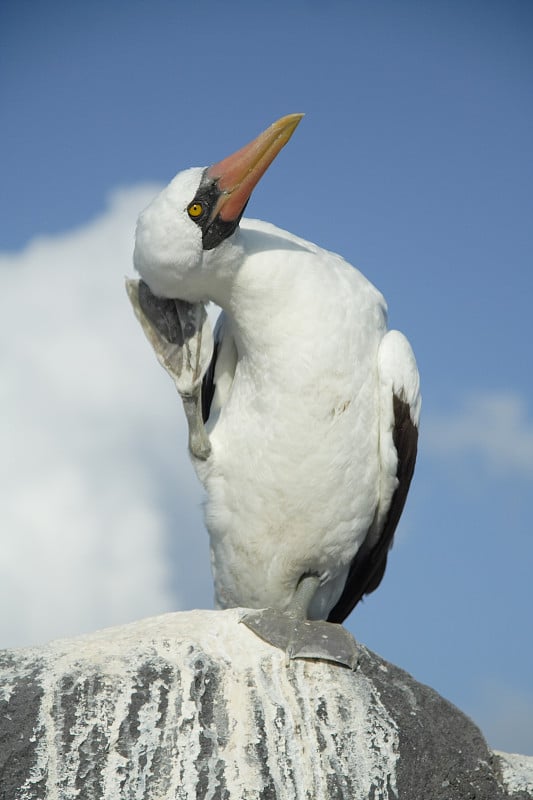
(190, 223)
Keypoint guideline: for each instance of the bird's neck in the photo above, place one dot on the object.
(260, 297)
(260, 277)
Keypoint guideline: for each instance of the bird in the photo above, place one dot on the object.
(303, 408)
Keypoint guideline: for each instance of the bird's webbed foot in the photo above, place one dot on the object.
(181, 337)
(303, 638)
(299, 637)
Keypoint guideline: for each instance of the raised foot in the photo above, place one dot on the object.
(302, 638)
(181, 337)
(179, 332)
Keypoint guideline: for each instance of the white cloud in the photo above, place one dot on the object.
(92, 441)
(493, 426)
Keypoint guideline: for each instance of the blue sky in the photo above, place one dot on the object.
(414, 161)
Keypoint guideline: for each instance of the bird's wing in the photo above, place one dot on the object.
(399, 410)
(217, 381)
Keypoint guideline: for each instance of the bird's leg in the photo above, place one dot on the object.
(199, 444)
(305, 591)
(300, 637)
(181, 338)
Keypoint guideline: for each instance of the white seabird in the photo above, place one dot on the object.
(310, 405)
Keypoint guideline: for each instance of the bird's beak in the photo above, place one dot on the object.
(237, 175)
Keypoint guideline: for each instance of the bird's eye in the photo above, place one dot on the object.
(195, 210)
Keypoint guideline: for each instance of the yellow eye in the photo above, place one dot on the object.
(195, 210)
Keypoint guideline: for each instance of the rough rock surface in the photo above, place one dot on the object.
(193, 705)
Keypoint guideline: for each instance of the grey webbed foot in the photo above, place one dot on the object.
(303, 638)
(181, 337)
(300, 637)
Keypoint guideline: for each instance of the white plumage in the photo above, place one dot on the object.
(304, 466)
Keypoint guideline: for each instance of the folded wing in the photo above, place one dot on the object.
(399, 412)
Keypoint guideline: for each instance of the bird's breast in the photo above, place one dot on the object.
(291, 483)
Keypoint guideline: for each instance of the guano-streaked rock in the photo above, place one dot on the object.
(193, 705)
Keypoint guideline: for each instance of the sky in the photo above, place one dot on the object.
(414, 161)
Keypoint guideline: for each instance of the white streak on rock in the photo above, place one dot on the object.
(517, 772)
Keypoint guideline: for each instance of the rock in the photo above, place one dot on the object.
(193, 705)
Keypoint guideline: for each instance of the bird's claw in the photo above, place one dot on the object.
(302, 638)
